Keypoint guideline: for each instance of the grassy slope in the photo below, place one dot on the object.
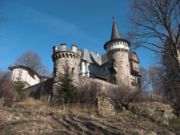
(34, 117)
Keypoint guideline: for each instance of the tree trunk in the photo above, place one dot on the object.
(178, 59)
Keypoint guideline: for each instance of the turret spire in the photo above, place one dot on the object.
(115, 32)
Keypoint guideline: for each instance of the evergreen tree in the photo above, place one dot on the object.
(65, 87)
(19, 87)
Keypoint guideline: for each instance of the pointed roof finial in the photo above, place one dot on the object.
(113, 19)
(115, 32)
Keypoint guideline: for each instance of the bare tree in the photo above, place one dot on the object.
(156, 24)
(32, 60)
(152, 80)
(171, 80)
(156, 75)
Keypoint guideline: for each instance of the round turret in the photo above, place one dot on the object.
(64, 58)
(117, 50)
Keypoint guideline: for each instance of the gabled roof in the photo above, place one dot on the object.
(86, 55)
(93, 57)
(96, 58)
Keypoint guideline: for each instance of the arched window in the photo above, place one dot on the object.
(72, 71)
(114, 63)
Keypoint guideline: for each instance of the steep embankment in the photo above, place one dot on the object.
(34, 117)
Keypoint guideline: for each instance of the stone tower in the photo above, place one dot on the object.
(117, 50)
(65, 58)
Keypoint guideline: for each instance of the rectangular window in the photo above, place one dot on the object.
(20, 74)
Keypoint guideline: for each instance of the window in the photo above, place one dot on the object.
(134, 81)
(114, 63)
(72, 71)
(20, 74)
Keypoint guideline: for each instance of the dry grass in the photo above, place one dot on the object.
(33, 117)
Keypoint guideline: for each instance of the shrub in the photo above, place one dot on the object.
(7, 90)
(122, 96)
(19, 87)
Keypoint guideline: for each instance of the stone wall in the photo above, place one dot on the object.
(102, 85)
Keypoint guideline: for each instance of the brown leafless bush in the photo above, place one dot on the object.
(122, 96)
(6, 89)
(87, 93)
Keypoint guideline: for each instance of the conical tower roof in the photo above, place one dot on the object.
(115, 32)
(115, 35)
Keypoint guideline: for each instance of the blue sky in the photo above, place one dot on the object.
(37, 25)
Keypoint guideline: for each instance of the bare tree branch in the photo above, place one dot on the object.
(32, 60)
(157, 22)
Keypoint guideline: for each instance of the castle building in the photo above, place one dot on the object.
(119, 65)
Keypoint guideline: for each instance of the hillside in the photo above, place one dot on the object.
(34, 117)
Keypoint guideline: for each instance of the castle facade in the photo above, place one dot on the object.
(119, 65)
